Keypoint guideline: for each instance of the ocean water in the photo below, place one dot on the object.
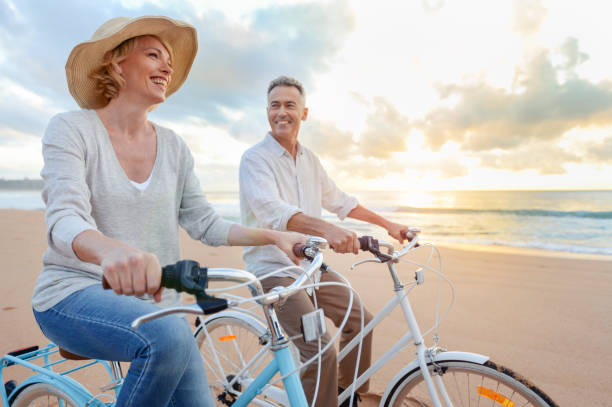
(568, 221)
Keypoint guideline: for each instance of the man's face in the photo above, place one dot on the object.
(285, 112)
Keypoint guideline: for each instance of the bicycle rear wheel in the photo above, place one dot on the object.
(43, 395)
(235, 342)
(469, 384)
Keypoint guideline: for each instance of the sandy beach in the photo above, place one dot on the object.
(544, 315)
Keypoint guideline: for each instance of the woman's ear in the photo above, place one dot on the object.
(117, 68)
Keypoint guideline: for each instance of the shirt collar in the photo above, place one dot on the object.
(277, 148)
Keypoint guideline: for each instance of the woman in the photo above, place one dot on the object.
(116, 188)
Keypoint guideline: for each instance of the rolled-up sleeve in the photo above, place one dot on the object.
(65, 192)
(332, 198)
(258, 187)
(196, 214)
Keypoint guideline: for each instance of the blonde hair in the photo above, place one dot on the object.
(106, 75)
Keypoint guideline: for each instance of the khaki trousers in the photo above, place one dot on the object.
(333, 300)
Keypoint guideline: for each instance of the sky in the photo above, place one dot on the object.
(402, 95)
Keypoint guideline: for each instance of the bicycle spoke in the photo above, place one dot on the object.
(472, 385)
(481, 385)
(458, 391)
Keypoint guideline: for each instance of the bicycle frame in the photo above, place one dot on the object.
(45, 374)
(424, 355)
(282, 362)
(434, 384)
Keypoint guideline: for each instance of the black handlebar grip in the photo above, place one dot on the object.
(170, 277)
(299, 250)
(184, 276)
(365, 243)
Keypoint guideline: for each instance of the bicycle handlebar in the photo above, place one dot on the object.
(369, 244)
(188, 276)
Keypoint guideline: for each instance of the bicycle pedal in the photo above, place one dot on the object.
(9, 386)
(313, 325)
(223, 398)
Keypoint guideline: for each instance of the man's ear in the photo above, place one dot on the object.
(305, 114)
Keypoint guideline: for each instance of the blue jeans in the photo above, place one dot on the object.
(166, 366)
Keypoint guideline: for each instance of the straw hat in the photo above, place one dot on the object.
(88, 55)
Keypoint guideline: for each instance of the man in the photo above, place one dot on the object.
(283, 186)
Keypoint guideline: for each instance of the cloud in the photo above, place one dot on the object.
(354, 169)
(19, 154)
(327, 140)
(528, 16)
(600, 152)
(572, 55)
(237, 60)
(540, 107)
(432, 5)
(36, 39)
(386, 130)
(543, 157)
(23, 110)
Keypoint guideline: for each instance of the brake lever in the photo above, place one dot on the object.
(375, 260)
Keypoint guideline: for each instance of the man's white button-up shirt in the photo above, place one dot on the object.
(274, 187)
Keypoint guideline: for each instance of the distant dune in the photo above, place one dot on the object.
(20, 184)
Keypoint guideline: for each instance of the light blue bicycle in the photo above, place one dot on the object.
(50, 385)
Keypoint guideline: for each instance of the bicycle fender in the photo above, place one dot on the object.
(71, 387)
(440, 357)
(255, 323)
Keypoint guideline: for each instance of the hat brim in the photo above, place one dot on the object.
(88, 55)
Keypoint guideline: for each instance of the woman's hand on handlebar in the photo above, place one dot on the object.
(400, 232)
(287, 240)
(130, 271)
(126, 269)
(244, 236)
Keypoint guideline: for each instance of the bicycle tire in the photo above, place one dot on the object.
(469, 383)
(43, 394)
(236, 342)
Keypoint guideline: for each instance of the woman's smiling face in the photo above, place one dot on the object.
(147, 71)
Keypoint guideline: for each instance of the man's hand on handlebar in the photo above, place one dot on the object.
(400, 232)
(341, 240)
(129, 271)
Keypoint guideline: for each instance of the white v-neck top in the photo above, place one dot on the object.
(85, 187)
(141, 186)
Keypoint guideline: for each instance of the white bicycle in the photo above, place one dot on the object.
(235, 344)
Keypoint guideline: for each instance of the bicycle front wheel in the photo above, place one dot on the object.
(469, 384)
(43, 395)
(234, 353)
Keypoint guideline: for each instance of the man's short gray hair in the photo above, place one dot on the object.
(287, 81)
